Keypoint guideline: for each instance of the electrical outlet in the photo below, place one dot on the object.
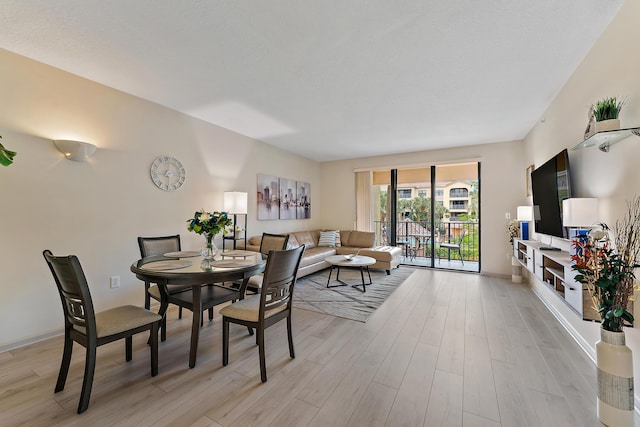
(114, 281)
(507, 215)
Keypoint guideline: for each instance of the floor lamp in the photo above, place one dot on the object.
(235, 203)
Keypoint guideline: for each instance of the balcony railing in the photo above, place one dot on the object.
(417, 240)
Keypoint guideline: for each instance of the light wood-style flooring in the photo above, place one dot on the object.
(446, 349)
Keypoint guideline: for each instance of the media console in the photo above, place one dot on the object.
(553, 268)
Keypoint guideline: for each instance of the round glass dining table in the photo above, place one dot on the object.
(177, 270)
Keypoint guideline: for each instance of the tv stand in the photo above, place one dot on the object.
(552, 266)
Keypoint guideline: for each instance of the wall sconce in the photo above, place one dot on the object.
(235, 202)
(75, 150)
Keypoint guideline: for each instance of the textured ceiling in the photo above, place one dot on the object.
(329, 79)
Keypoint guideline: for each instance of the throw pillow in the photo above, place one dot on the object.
(338, 242)
(327, 238)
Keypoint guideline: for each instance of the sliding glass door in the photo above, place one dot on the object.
(431, 213)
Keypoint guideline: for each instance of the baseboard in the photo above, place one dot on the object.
(54, 333)
(31, 340)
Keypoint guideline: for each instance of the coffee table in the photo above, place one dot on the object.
(359, 261)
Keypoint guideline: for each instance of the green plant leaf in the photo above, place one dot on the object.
(6, 156)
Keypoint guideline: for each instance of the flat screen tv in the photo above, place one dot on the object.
(550, 184)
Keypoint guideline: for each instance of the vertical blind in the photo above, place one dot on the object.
(363, 201)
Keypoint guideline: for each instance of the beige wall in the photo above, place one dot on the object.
(502, 183)
(98, 208)
(610, 69)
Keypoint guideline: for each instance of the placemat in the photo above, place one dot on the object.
(182, 254)
(232, 263)
(238, 253)
(171, 264)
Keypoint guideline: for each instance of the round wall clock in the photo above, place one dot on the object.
(167, 173)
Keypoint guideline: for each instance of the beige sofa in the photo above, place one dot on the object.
(387, 257)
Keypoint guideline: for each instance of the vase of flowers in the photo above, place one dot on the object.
(209, 224)
(516, 269)
(606, 266)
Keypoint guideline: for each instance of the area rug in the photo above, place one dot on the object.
(311, 292)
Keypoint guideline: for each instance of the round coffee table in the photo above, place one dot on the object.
(359, 261)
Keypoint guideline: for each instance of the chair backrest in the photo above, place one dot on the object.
(74, 292)
(273, 242)
(464, 231)
(154, 246)
(279, 279)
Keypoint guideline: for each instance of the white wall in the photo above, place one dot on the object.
(97, 209)
(502, 182)
(610, 69)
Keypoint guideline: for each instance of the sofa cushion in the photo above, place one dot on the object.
(316, 255)
(327, 238)
(361, 239)
(344, 237)
(379, 253)
(306, 238)
(255, 240)
(293, 242)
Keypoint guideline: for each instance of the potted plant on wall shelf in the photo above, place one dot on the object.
(607, 269)
(606, 112)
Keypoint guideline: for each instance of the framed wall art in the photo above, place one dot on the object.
(303, 210)
(267, 195)
(528, 176)
(288, 198)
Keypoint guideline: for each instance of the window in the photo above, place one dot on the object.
(458, 192)
(439, 192)
(404, 193)
(458, 204)
(422, 193)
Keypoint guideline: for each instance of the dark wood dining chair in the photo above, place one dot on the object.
(269, 242)
(157, 246)
(274, 303)
(90, 329)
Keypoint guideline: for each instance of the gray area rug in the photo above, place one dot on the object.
(311, 292)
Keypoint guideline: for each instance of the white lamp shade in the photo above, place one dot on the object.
(579, 212)
(525, 213)
(75, 150)
(235, 202)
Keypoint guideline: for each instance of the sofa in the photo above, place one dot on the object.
(349, 242)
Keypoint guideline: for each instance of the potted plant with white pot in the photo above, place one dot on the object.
(607, 268)
(606, 112)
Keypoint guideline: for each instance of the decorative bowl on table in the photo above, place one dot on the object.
(350, 257)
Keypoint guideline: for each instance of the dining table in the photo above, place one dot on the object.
(190, 268)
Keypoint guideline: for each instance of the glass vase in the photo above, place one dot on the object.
(208, 252)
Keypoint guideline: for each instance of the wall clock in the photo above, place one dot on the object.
(167, 173)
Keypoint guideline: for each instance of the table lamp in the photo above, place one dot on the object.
(526, 214)
(579, 215)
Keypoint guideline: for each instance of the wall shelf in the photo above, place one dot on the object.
(234, 237)
(604, 140)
